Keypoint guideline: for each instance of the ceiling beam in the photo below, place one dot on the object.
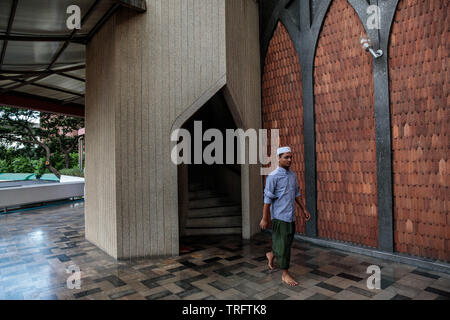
(71, 76)
(102, 21)
(8, 30)
(50, 87)
(72, 35)
(138, 5)
(28, 101)
(43, 38)
(21, 76)
(34, 72)
(56, 56)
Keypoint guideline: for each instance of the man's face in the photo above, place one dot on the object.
(285, 160)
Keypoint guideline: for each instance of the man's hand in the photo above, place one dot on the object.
(266, 216)
(303, 209)
(264, 224)
(307, 215)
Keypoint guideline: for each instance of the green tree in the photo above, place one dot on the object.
(63, 132)
(42, 135)
(21, 126)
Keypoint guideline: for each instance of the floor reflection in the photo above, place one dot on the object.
(38, 246)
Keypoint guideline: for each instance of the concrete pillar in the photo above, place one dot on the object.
(146, 74)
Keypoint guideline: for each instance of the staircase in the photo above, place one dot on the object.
(211, 213)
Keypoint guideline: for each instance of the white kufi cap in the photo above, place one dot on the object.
(283, 150)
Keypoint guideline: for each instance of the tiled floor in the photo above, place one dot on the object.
(38, 246)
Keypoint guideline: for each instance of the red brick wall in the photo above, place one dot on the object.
(345, 125)
(419, 80)
(345, 131)
(282, 101)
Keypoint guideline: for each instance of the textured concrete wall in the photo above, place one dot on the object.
(147, 74)
(243, 95)
(101, 131)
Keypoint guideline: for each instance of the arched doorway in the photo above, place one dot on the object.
(209, 195)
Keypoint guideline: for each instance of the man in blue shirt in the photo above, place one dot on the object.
(280, 193)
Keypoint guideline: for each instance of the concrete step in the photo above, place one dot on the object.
(212, 231)
(202, 194)
(234, 210)
(215, 222)
(197, 186)
(211, 202)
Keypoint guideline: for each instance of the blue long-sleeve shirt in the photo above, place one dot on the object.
(280, 192)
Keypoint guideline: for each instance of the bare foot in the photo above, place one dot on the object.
(286, 278)
(270, 257)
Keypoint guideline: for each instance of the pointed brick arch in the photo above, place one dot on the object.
(345, 131)
(419, 117)
(282, 106)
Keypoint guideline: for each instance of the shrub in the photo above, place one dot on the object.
(5, 166)
(14, 160)
(74, 172)
(74, 159)
(39, 166)
(57, 161)
(22, 165)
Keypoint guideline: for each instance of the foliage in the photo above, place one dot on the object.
(11, 152)
(21, 164)
(62, 132)
(6, 166)
(74, 160)
(75, 172)
(46, 138)
(39, 166)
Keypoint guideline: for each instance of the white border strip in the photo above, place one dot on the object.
(15, 196)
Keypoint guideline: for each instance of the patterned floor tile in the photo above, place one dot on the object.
(38, 246)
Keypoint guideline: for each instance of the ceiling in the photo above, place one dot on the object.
(42, 61)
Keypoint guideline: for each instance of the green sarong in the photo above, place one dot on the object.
(282, 237)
